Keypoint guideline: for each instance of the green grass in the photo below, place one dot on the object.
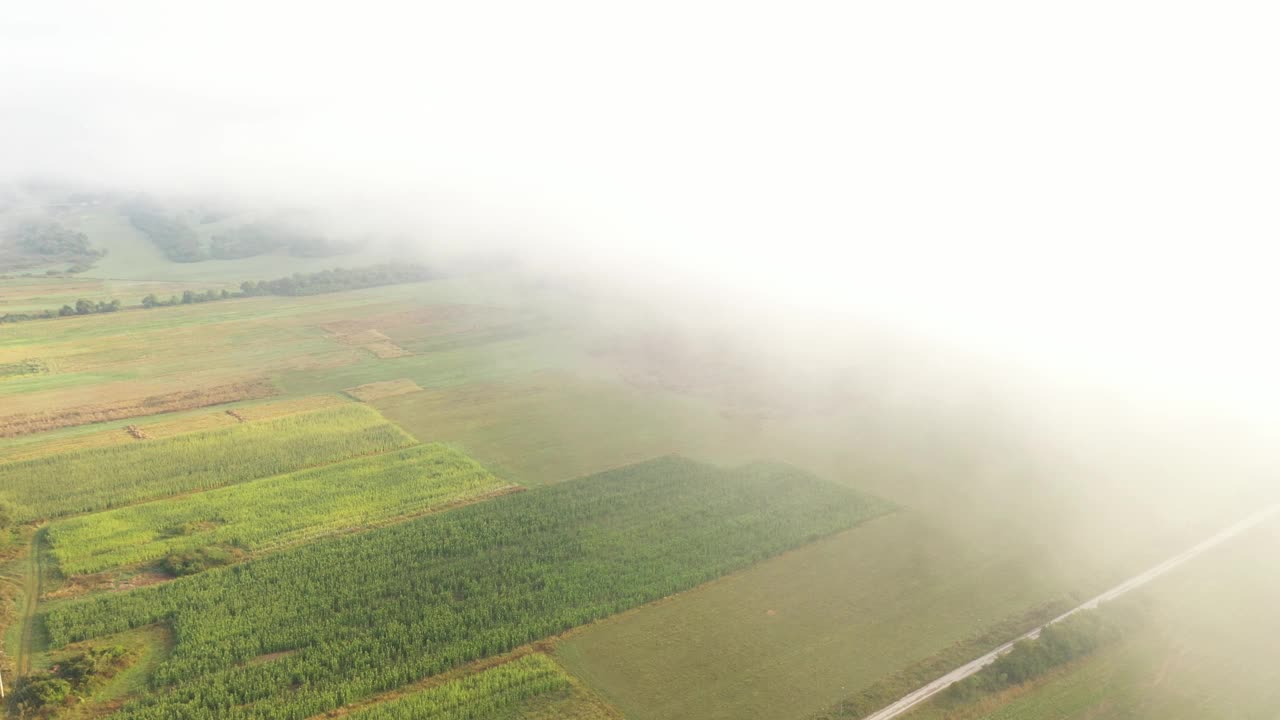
(547, 427)
(801, 632)
(419, 598)
(273, 512)
(102, 478)
(1205, 651)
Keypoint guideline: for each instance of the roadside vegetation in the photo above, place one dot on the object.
(893, 687)
(1075, 637)
(367, 613)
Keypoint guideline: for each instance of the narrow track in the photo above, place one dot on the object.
(31, 590)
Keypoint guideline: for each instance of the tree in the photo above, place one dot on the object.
(150, 301)
(85, 307)
(66, 310)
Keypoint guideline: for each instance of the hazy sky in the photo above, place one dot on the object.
(1087, 182)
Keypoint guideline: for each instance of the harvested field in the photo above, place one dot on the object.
(435, 316)
(385, 389)
(359, 337)
(28, 423)
(386, 350)
(373, 341)
(200, 422)
(179, 423)
(440, 327)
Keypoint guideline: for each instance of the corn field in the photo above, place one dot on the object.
(102, 478)
(366, 613)
(273, 512)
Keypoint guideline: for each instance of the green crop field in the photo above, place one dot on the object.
(492, 694)
(524, 687)
(415, 599)
(101, 478)
(273, 512)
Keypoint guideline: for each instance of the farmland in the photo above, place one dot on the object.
(13, 425)
(493, 693)
(1189, 658)
(273, 512)
(416, 599)
(774, 610)
(101, 478)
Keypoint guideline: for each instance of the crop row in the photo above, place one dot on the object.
(275, 511)
(486, 695)
(366, 613)
(101, 478)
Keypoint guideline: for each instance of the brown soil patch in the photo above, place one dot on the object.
(385, 350)
(270, 656)
(105, 582)
(379, 390)
(360, 337)
(370, 339)
(28, 423)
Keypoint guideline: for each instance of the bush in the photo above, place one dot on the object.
(1058, 644)
(42, 690)
(197, 561)
(173, 237)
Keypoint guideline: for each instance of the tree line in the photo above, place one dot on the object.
(82, 307)
(1058, 644)
(315, 283)
(180, 243)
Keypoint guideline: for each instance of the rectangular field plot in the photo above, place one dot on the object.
(102, 478)
(28, 423)
(416, 599)
(276, 511)
(498, 692)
